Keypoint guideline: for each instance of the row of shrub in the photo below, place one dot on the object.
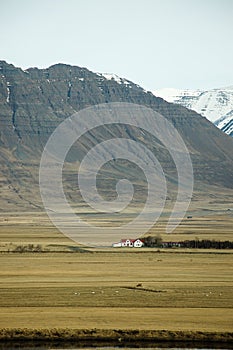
(207, 244)
(156, 241)
(120, 335)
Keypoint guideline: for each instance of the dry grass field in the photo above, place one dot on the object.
(110, 289)
(142, 289)
(99, 290)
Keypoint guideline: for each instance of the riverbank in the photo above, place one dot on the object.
(113, 336)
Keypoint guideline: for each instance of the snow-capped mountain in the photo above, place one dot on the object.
(216, 104)
(35, 101)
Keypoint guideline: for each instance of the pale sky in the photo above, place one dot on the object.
(155, 43)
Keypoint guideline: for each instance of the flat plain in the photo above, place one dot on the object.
(69, 287)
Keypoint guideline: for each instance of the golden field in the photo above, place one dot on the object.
(143, 289)
(99, 290)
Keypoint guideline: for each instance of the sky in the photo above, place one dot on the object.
(154, 43)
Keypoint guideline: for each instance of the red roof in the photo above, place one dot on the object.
(131, 240)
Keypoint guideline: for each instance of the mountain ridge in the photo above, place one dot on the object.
(34, 102)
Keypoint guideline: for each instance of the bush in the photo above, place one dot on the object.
(28, 248)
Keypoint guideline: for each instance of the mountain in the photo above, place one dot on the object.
(34, 102)
(216, 104)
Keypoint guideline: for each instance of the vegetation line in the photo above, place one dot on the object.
(120, 335)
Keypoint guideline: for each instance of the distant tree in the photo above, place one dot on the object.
(153, 241)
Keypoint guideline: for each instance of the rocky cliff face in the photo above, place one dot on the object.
(34, 102)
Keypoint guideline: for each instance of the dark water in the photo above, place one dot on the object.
(92, 346)
(108, 348)
(112, 348)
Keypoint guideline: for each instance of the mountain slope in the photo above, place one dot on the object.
(216, 104)
(34, 102)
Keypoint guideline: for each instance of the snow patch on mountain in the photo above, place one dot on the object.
(8, 92)
(216, 104)
(111, 76)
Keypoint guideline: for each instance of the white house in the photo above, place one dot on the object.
(132, 243)
(127, 242)
(138, 243)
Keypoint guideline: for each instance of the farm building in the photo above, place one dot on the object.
(132, 243)
(171, 244)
